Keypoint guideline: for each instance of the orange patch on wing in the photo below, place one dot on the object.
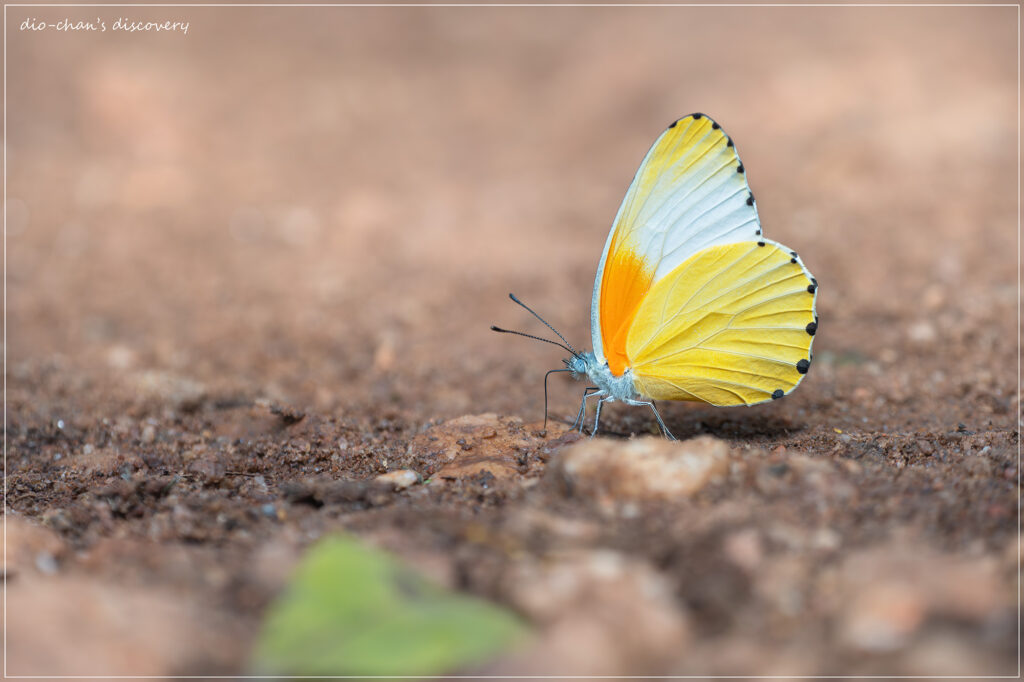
(625, 281)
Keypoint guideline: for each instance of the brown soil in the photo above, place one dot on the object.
(253, 267)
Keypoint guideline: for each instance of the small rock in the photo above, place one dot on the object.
(643, 469)
(468, 446)
(398, 480)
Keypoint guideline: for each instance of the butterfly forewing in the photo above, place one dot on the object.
(689, 193)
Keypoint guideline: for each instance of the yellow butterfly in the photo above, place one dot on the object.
(691, 301)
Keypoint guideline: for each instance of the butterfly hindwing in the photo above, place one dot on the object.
(732, 325)
(689, 193)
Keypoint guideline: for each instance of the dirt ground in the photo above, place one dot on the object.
(252, 267)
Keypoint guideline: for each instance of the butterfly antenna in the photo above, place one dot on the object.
(532, 312)
(531, 336)
(546, 375)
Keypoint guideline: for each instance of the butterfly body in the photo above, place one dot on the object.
(610, 387)
(691, 302)
(608, 384)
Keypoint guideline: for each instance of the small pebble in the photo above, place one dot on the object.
(399, 479)
(615, 472)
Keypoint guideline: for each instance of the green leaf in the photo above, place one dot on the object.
(352, 610)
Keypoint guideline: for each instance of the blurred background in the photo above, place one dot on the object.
(330, 204)
(326, 207)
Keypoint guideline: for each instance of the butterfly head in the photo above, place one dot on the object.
(580, 364)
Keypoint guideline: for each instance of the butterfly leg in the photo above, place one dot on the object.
(661, 423)
(597, 416)
(583, 407)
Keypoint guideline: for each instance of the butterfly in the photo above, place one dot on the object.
(691, 301)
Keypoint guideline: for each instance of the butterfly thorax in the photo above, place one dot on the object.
(616, 387)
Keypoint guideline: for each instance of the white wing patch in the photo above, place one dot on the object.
(689, 193)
